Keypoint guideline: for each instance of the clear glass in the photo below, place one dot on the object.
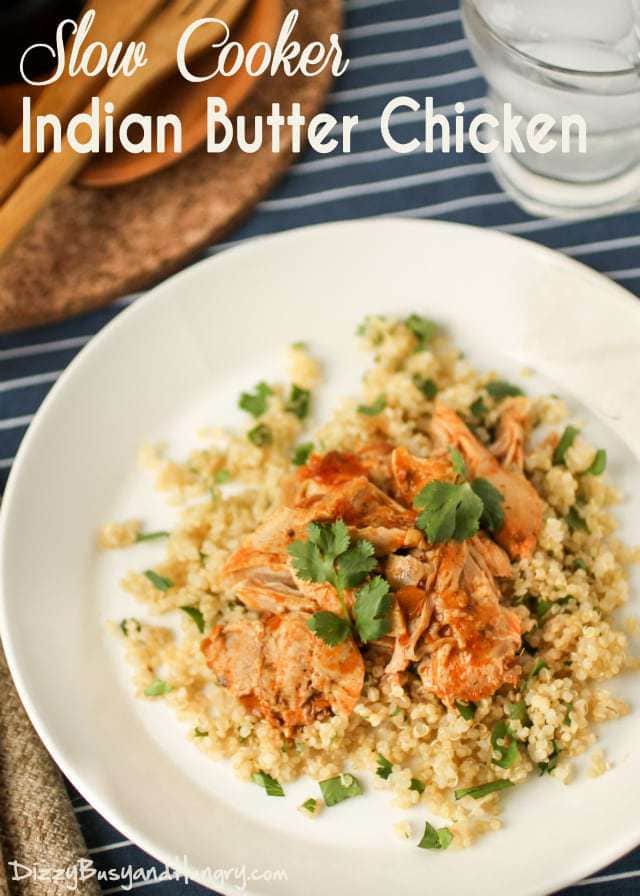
(564, 57)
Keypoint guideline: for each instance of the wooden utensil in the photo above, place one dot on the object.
(115, 20)
(161, 37)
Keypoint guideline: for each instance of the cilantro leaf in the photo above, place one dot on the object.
(356, 563)
(329, 627)
(199, 732)
(222, 476)
(384, 768)
(309, 562)
(196, 615)
(492, 518)
(449, 511)
(255, 403)
(124, 626)
(372, 410)
(483, 789)
(417, 785)
(162, 583)
(478, 408)
(423, 329)
(567, 439)
(428, 387)
(260, 435)
(329, 556)
(536, 669)
(157, 688)
(310, 806)
(466, 710)
(518, 711)
(272, 787)
(372, 610)
(302, 453)
(151, 536)
(599, 464)
(500, 389)
(576, 521)
(330, 538)
(545, 768)
(342, 787)
(435, 838)
(504, 745)
(299, 402)
(457, 462)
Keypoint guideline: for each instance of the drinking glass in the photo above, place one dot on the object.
(564, 57)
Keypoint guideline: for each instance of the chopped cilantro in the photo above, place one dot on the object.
(417, 785)
(492, 518)
(222, 476)
(260, 435)
(195, 614)
(299, 402)
(575, 521)
(372, 610)
(580, 564)
(483, 789)
(342, 787)
(302, 453)
(567, 718)
(599, 464)
(372, 410)
(151, 536)
(198, 732)
(424, 330)
(518, 712)
(428, 387)
(567, 439)
(157, 688)
(124, 626)
(500, 389)
(255, 403)
(310, 806)
(162, 583)
(504, 745)
(536, 669)
(466, 710)
(299, 346)
(545, 768)
(458, 464)
(328, 555)
(435, 838)
(384, 768)
(332, 629)
(272, 787)
(448, 511)
(478, 408)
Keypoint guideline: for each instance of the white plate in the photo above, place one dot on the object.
(177, 360)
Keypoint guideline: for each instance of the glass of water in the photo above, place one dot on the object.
(564, 58)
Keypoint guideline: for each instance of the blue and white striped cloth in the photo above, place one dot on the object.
(396, 47)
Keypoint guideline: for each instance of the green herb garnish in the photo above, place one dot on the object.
(504, 745)
(567, 439)
(222, 476)
(260, 435)
(162, 583)
(466, 710)
(500, 389)
(478, 408)
(545, 768)
(483, 789)
(567, 718)
(299, 402)
(435, 838)
(536, 669)
(329, 555)
(198, 732)
(575, 521)
(310, 806)
(384, 768)
(458, 464)
(417, 785)
(580, 564)
(330, 627)
(151, 536)
(448, 511)
(518, 711)
(342, 787)
(492, 518)
(272, 787)
(124, 626)
(599, 464)
(196, 615)
(428, 387)
(302, 453)
(255, 403)
(424, 330)
(157, 688)
(372, 610)
(372, 410)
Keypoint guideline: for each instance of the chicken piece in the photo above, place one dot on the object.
(522, 504)
(278, 669)
(411, 474)
(403, 571)
(471, 648)
(512, 432)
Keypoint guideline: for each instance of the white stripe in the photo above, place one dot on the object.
(430, 52)
(365, 4)
(86, 808)
(399, 25)
(5, 462)
(527, 226)
(453, 205)
(16, 422)
(369, 189)
(23, 381)
(127, 887)
(41, 348)
(622, 242)
(606, 878)
(624, 274)
(118, 845)
(402, 87)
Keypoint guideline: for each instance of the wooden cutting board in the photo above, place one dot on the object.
(92, 246)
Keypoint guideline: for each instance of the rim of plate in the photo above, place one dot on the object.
(606, 854)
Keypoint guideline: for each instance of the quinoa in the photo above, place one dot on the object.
(579, 575)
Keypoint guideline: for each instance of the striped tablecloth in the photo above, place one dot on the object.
(396, 47)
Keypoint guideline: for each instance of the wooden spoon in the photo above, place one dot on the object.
(161, 37)
(115, 20)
